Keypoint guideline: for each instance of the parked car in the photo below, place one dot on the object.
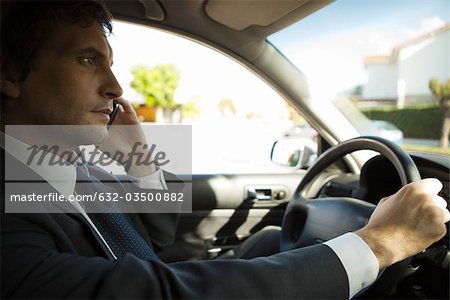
(303, 130)
(387, 130)
(379, 128)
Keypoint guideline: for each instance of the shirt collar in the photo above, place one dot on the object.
(61, 177)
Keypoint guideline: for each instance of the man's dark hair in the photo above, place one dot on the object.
(26, 25)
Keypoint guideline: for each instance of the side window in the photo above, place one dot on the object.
(235, 116)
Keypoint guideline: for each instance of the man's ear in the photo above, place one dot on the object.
(8, 86)
(9, 89)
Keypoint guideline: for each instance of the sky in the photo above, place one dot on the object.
(350, 15)
(330, 45)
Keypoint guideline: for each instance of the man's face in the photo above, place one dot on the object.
(70, 81)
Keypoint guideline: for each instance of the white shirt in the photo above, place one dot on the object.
(358, 259)
(360, 263)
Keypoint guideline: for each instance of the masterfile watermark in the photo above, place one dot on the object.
(41, 168)
(53, 155)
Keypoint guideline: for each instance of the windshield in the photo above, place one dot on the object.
(386, 61)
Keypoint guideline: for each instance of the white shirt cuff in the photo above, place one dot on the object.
(358, 260)
(154, 181)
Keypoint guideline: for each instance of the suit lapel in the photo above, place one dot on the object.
(64, 207)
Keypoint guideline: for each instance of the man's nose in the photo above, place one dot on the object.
(111, 88)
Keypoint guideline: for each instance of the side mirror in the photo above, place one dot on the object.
(294, 152)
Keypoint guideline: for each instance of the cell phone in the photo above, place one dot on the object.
(113, 114)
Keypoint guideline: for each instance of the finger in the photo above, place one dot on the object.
(446, 215)
(125, 105)
(429, 185)
(439, 202)
(442, 204)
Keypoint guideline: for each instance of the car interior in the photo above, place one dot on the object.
(342, 186)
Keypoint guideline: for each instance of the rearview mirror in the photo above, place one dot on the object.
(298, 153)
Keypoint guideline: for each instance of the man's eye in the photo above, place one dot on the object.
(89, 60)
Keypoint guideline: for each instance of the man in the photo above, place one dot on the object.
(56, 70)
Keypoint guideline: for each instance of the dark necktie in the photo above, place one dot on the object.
(113, 225)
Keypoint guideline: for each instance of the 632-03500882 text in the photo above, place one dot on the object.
(101, 196)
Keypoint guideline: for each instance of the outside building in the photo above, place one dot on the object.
(402, 77)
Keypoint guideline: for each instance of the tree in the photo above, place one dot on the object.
(191, 109)
(157, 84)
(226, 106)
(441, 92)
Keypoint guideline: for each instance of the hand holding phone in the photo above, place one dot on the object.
(113, 114)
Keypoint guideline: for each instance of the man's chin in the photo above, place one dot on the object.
(96, 134)
(89, 134)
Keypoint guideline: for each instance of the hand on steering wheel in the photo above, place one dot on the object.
(402, 225)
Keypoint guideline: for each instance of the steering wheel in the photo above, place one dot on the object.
(312, 221)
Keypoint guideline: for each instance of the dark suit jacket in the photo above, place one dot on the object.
(59, 256)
